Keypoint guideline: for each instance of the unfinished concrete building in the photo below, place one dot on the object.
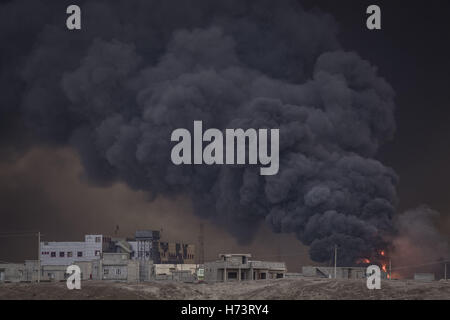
(146, 246)
(341, 272)
(116, 267)
(175, 253)
(239, 267)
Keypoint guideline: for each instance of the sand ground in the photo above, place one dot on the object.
(284, 289)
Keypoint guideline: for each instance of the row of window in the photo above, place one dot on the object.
(171, 255)
(68, 254)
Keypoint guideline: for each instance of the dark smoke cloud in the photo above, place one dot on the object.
(136, 71)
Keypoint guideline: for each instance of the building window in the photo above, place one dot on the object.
(53, 254)
(79, 254)
(105, 271)
(97, 252)
(61, 254)
(98, 239)
(118, 271)
(69, 254)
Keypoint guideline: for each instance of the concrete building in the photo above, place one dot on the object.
(116, 267)
(166, 269)
(86, 268)
(66, 253)
(12, 272)
(107, 258)
(425, 277)
(145, 246)
(238, 267)
(28, 272)
(31, 271)
(341, 272)
(175, 253)
(177, 275)
(293, 275)
(53, 273)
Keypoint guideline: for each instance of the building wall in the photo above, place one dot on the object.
(31, 270)
(160, 269)
(115, 266)
(238, 268)
(341, 272)
(53, 273)
(132, 271)
(293, 275)
(115, 272)
(145, 269)
(146, 246)
(11, 272)
(66, 253)
(175, 253)
(86, 268)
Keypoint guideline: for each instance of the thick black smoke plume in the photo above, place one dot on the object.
(137, 70)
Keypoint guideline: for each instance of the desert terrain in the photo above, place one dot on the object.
(279, 289)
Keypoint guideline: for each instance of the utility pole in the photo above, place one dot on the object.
(445, 271)
(39, 258)
(201, 242)
(278, 249)
(335, 261)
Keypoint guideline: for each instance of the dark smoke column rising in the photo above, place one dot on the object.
(138, 70)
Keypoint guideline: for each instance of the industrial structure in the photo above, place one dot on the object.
(106, 258)
(141, 258)
(239, 267)
(145, 246)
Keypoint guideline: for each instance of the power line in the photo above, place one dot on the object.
(396, 268)
(421, 265)
(18, 234)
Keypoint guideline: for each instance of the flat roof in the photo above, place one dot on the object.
(234, 255)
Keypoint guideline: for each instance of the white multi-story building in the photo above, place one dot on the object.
(66, 253)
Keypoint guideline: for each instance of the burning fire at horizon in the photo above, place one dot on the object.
(378, 260)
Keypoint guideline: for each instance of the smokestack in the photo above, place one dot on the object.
(201, 243)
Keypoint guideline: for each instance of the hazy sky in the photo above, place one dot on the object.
(44, 190)
(42, 187)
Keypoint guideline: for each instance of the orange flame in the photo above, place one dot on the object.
(363, 260)
(382, 253)
(383, 267)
